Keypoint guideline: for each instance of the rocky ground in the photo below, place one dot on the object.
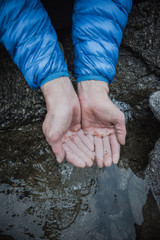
(153, 168)
(41, 199)
(154, 102)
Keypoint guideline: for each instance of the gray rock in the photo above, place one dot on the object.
(154, 102)
(153, 172)
(137, 192)
(118, 234)
(19, 104)
(123, 176)
(143, 31)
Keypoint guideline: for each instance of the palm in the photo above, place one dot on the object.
(62, 124)
(102, 119)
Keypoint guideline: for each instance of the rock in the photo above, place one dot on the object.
(149, 229)
(153, 172)
(143, 31)
(19, 104)
(137, 192)
(118, 234)
(154, 102)
(134, 83)
(153, 169)
(123, 176)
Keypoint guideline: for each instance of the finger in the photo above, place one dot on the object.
(91, 138)
(99, 150)
(73, 158)
(75, 128)
(77, 141)
(107, 152)
(102, 132)
(120, 128)
(115, 148)
(85, 140)
(55, 141)
(79, 153)
(58, 150)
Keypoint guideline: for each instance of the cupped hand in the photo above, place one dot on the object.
(61, 126)
(102, 119)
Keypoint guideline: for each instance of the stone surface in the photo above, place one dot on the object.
(18, 103)
(142, 35)
(137, 192)
(154, 103)
(153, 172)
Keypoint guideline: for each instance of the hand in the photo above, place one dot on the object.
(62, 122)
(102, 119)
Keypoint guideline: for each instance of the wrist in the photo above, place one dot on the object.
(56, 90)
(91, 87)
(51, 87)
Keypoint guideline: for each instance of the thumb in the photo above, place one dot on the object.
(120, 128)
(54, 137)
(55, 141)
(58, 150)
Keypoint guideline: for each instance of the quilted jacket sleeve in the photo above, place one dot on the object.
(27, 34)
(97, 33)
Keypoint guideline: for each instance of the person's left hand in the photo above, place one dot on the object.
(61, 126)
(102, 119)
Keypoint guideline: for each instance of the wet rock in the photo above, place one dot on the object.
(142, 134)
(118, 234)
(153, 169)
(59, 201)
(153, 172)
(123, 176)
(134, 81)
(149, 229)
(143, 31)
(154, 102)
(108, 214)
(38, 194)
(19, 104)
(137, 192)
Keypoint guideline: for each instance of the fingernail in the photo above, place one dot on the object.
(59, 160)
(100, 164)
(116, 161)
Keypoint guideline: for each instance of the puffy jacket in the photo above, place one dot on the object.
(29, 37)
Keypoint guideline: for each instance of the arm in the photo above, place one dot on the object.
(97, 33)
(27, 34)
(29, 37)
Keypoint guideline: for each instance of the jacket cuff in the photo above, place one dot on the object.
(92, 77)
(54, 76)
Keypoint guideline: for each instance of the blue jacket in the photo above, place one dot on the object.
(29, 37)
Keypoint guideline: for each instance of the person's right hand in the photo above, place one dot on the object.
(102, 119)
(61, 126)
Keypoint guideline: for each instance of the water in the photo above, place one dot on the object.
(41, 199)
